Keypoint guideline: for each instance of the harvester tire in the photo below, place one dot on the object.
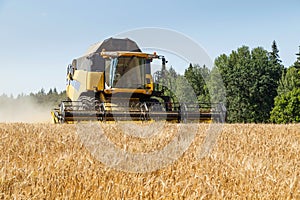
(89, 103)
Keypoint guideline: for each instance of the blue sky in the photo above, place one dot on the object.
(39, 38)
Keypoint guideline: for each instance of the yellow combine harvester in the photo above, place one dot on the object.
(112, 81)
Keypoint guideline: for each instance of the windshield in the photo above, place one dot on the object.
(125, 72)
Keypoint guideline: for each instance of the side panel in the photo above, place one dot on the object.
(76, 86)
(149, 83)
(95, 81)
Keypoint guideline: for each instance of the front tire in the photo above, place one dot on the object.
(88, 103)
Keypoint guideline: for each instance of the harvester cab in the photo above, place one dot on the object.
(112, 81)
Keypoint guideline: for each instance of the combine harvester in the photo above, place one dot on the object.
(112, 81)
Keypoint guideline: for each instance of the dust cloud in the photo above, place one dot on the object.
(24, 110)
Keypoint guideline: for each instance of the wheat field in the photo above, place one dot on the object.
(248, 161)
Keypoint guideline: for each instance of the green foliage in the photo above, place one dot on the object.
(297, 63)
(289, 80)
(184, 91)
(287, 107)
(251, 79)
(287, 103)
(167, 82)
(216, 87)
(189, 88)
(274, 56)
(170, 81)
(198, 79)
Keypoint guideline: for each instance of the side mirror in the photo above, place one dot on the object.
(70, 72)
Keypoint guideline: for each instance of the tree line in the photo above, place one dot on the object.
(253, 84)
(51, 98)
